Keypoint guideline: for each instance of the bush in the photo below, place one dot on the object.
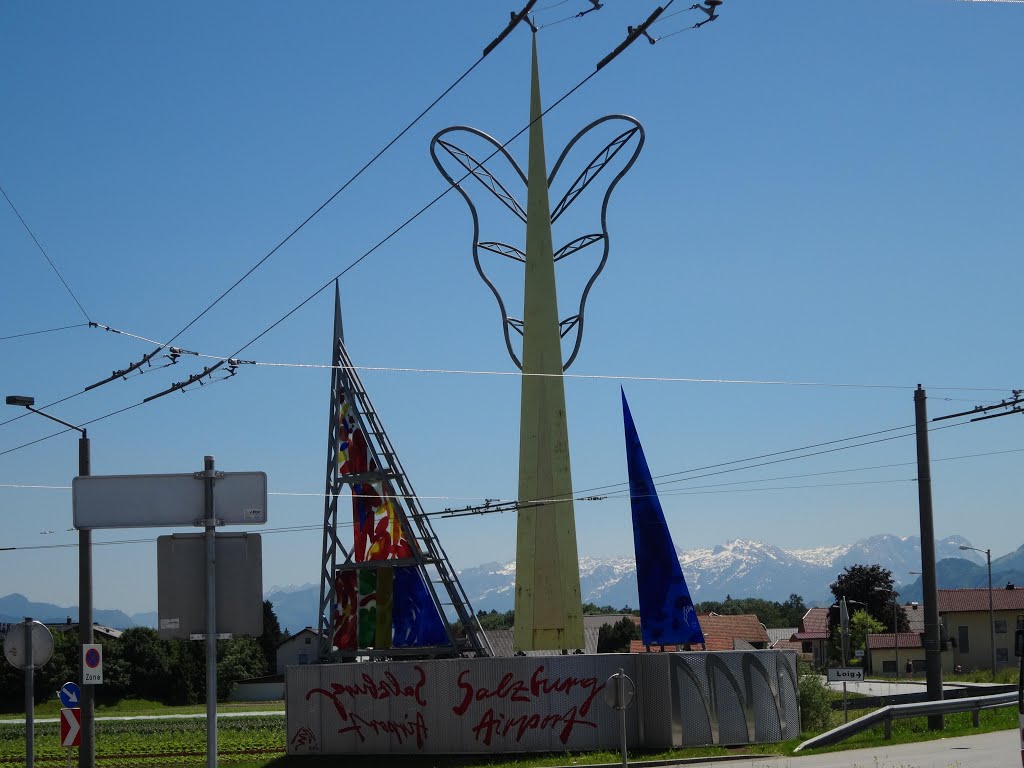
(815, 704)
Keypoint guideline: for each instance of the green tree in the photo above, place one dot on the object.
(271, 637)
(863, 624)
(614, 638)
(237, 659)
(870, 587)
(149, 661)
(794, 610)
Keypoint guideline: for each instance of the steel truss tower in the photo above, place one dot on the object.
(351, 404)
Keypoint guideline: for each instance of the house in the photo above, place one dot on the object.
(301, 648)
(721, 633)
(100, 633)
(887, 654)
(965, 622)
(501, 642)
(813, 636)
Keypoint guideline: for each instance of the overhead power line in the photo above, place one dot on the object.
(45, 254)
(45, 330)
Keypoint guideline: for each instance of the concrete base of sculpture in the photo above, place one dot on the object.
(541, 703)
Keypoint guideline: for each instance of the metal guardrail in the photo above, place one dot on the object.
(886, 715)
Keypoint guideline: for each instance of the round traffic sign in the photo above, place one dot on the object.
(16, 645)
(92, 658)
(70, 695)
(619, 690)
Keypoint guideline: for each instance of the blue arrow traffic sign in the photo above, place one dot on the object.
(70, 695)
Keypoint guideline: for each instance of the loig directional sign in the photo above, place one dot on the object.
(92, 664)
(846, 675)
(71, 727)
(153, 501)
(70, 695)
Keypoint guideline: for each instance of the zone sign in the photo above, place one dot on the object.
(92, 664)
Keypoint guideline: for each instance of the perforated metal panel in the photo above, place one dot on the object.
(539, 703)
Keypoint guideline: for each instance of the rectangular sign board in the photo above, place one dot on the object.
(92, 664)
(181, 584)
(152, 501)
(846, 675)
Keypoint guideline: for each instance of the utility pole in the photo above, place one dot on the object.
(932, 644)
(87, 750)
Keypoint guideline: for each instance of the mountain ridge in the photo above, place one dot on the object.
(737, 568)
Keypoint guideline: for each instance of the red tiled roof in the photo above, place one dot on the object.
(810, 636)
(720, 633)
(906, 640)
(788, 645)
(743, 626)
(815, 621)
(963, 600)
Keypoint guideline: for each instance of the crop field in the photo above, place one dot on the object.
(131, 743)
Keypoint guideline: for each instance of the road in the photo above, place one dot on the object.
(1000, 749)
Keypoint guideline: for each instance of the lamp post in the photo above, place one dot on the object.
(895, 626)
(86, 752)
(991, 615)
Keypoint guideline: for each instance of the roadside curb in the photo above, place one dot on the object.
(678, 761)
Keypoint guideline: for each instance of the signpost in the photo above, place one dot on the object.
(29, 645)
(182, 500)
(618, 693)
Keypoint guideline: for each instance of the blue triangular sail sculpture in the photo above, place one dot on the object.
(667, 615)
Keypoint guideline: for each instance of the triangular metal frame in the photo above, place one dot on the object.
(428, 555)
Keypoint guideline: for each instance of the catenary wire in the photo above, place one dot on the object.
(608, 377)
(45, 254)
(45, 330)
(309, 218)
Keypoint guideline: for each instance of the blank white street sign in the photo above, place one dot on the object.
(152, 501)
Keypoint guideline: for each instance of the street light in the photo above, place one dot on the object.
(86, 753)
(991, 617)
(895, 626)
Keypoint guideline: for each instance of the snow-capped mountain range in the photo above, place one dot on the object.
(740, 568)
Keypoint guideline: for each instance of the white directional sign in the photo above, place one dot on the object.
(151, 501)
(92, 664)
(846, 675)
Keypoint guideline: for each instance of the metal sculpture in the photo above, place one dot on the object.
(548, 606)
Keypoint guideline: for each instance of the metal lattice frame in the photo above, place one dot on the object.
(474, 168)
(429, 556)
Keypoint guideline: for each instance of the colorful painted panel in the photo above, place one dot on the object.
(667, 613)
(367, 608)
(345, 588)
(381, 609)
(416, 619)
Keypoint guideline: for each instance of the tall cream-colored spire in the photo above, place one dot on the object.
(548, 607)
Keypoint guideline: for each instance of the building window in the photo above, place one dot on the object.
(308, 640)
(963, 640)
(806, 647)
(1000, 625)
(303, 658)
(889, 667)
(1002, 656)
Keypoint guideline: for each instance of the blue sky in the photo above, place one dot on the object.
(828, 193)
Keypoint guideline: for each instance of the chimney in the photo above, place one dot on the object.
(1009, 585)
(69, 620)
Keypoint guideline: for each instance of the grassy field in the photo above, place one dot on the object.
(259, 742)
